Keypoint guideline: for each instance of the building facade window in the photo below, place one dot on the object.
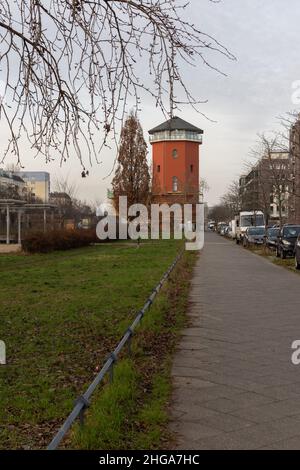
(175, 184)
(158, 168)
(174, 153)
(191, 168)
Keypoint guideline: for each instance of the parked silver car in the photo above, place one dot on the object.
(254, 236)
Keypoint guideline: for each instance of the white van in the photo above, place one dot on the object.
(245, 220)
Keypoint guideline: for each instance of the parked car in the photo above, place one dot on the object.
(271, 238)
(220, 227)
(245, 220)
(254, 236)
(297, 253)
(224, 230)
(286, 241)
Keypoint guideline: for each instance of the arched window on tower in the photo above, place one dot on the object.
(175, 184)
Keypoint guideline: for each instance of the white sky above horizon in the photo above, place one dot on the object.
(262, 34)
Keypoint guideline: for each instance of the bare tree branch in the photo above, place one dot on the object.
(71, 67)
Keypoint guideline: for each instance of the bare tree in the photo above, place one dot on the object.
(203, 187)
(290, 142)
(232, 199)
(65, 186)
(11, 167)
(68, 205)
(276, 169)
(70, 68)
(220, 213)
(64, 198)
(10, 192)
(271, 177)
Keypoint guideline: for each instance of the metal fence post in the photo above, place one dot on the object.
(85, 404)
(111, 370)
(81, 417)
(130, 331)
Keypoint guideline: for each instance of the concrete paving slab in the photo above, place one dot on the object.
(234, 384)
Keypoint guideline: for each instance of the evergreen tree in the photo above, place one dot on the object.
(132, 177)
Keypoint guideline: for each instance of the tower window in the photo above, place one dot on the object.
(174, 153)
(175, 184)
(192, 168)
(158, 168)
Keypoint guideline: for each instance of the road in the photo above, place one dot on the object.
(235, 386)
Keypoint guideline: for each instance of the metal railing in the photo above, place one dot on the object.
(82, 403)
(176, 135)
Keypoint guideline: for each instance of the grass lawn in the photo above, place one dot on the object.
(270, 255)
(61, 314)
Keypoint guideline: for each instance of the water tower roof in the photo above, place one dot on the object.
(176, 123)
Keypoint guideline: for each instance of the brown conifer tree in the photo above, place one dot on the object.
(132, 177)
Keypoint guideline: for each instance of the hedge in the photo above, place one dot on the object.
(40, 242)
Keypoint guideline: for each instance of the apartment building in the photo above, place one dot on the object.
(12, 186)
(38, 184)
(267, 187)
(295, 172)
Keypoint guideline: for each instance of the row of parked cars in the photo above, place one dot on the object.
(284, 241)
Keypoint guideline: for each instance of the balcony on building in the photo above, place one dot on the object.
(176, 135)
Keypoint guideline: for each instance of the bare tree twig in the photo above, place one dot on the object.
(71, 67)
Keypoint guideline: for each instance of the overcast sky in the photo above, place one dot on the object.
(264, 36)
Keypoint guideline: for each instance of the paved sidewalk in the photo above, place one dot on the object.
(234, 384)
(11, 248)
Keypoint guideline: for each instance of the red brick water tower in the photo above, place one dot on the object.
(175, 159)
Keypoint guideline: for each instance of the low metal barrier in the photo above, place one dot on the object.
(82, 403)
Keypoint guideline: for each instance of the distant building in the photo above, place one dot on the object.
(175, 156)
(61, 199)
(267, 187)
(295, 172)
(9, 182)
(11, 186)
(175, 161)
(38, 184)
(21, 209)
